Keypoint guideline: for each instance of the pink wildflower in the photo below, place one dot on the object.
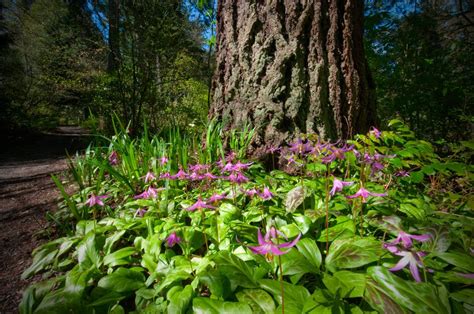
(113, 158)
(266, 194)
(363, 194)
(199, 205)
(406, 238)
(217, 197)
(338, 185)
(149, 177)
(172, 239)
(96, 200)
(267, 246)
(163, 160)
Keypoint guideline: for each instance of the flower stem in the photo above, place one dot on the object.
(326, 203)
(281, 286)
(204, 229)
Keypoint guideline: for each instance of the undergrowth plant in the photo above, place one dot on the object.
(174, 224)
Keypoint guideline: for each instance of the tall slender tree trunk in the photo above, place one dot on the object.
(113, 60)
(292, 66)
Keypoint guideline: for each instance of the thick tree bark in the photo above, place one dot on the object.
(292, 66)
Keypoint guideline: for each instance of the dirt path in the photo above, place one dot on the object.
(26, 194)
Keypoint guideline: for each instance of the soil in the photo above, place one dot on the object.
(27, 193)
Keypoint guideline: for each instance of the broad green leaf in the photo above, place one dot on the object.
(310, 250)
(210, 306)
(40, 261)
(343, 229)
(417, 297)
(123, 280)
(217, 283)
(77, 279)
(61, 301)
(294, 263)
(235, 269)
(259, 300)
(35, 293)
(294, 295)
(111, 240)
(461, 260)
(179, 299)
(413, 210)
(348, 284)
(119, 257)
(87, 252)
(380, 301)
(465, 296)
(416, 176)
(228, 211)
(176, 275)
(353, 253)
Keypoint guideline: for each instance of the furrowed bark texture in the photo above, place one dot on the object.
(292, 66)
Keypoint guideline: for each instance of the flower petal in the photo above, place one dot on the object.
(261, 240)
(422, 237)
(414, 270)
(401, 263)
(290, 244)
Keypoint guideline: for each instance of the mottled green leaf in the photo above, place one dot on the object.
(259, 300)
(353, 253)
(210, 306)
(417, 297)
(235, 269)
(310, 250)
(179, 299)
(122, 280)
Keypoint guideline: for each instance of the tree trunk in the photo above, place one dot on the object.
(113, 60)
(292, 66)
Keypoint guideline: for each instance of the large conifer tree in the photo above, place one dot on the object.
(291, 66)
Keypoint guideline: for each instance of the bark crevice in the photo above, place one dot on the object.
(289, 66)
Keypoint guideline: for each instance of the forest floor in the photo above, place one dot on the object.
(27, 193)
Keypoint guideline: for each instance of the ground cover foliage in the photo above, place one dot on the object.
(177, 224)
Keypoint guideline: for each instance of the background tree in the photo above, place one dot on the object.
(287, 67)
(421, 57)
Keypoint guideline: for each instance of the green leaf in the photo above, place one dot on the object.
(228, 211)
(414, 208)
(179, 299)
(417, 176)
(348, 284)
(217, 283)
(61, 301)
(210, 306)
(380, 301)
(465, 296)
(294, 263)
(87, 253)
(353, 253)
(41, 260)
(417, 297)
(119, 257)
(110, 241)
(295, 296)
(310, 250)
(77, 279)
(235, 269)
(259, 300)
(461, 260)
(123, 280)
(344, 228)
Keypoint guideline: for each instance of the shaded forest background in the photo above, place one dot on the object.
(79, 62)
